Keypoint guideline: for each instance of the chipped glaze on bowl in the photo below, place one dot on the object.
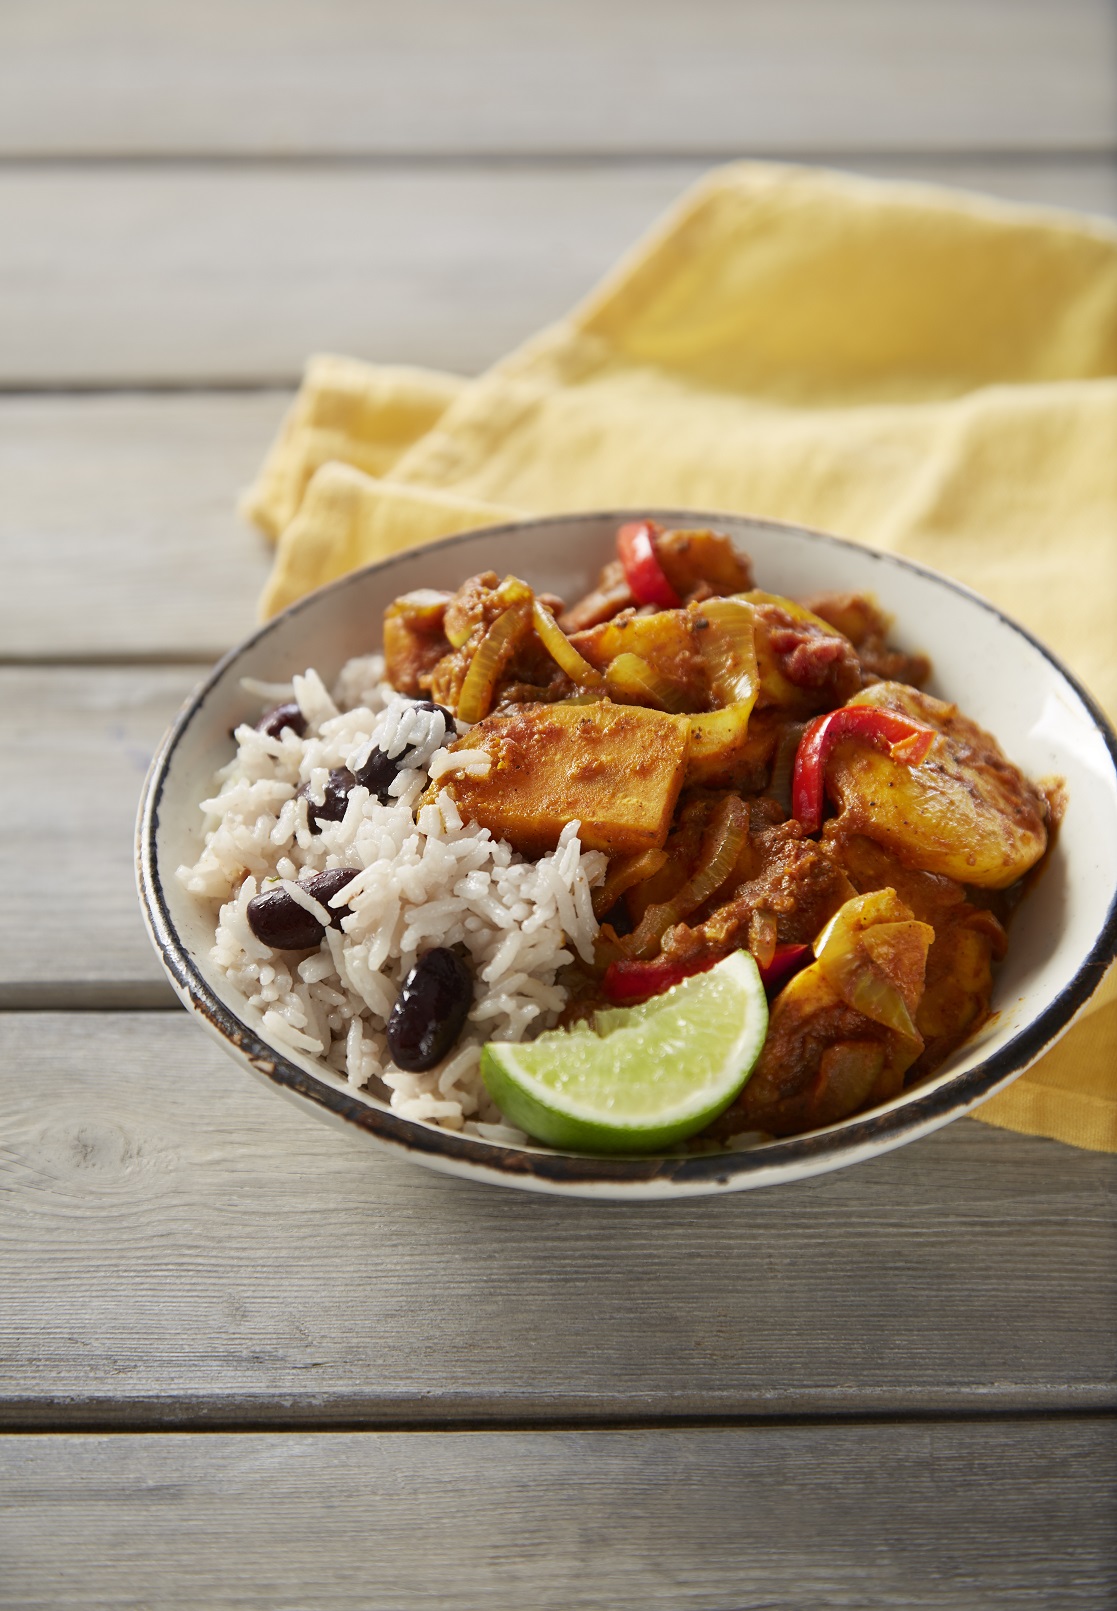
(1063, 937)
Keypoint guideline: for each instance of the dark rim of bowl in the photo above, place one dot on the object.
(816, 1150)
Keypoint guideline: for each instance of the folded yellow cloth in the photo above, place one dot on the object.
(923, 371)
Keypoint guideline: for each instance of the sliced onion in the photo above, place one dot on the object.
(728, 649)
(783, 766)
(847, 966)
(624, 872)
(721, 845)
(718, 733)
(637, 679)
(561, 650)
(861, 988)
(490, 658)
(797, 612)
(513, 591)
(763, 937)
(876, 906)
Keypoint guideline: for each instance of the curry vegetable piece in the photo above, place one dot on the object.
(965, 812)
(618, 769)
(842, 1032)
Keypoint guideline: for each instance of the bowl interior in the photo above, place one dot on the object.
(994, 671)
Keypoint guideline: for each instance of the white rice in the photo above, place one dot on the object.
(425, 878)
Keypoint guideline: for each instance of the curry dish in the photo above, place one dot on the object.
(762, 773)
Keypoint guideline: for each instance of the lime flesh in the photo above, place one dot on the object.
(640, 1078)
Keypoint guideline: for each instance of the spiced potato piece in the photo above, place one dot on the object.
(618, 769)
(965, 812)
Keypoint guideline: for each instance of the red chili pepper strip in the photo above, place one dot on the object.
(625, 983)
(787, 961)
(644, 574)
(907, 741)
(628, 982)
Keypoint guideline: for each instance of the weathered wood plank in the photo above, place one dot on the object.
(232, 275)
(179, 1248)
(627, 77)
(1012, 1515)
(221, 275)
(119, 536)
(77, 744)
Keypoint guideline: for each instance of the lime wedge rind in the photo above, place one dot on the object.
(659, 1073)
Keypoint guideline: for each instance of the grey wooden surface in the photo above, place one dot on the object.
(229, 275)
(279, 1274)
(72, 932)
(191, 199)
(118, 530)
(854, 1516)
(301, 76)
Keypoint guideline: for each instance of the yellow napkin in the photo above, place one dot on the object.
(922, 371)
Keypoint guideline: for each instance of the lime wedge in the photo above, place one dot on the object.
(640, 1078)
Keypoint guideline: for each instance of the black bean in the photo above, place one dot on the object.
(332, 809)
(429, 704)
(378, 772)
(278, 920)
(324, 886)
(274, 721)
(430, 1010)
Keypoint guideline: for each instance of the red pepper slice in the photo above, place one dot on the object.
(787, 961)
(628, 982)
(907, 741)
(625, 983)
(644, 574)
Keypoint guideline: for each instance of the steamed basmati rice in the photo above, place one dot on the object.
(426, 878)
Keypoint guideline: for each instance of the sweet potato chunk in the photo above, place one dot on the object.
(616, 768)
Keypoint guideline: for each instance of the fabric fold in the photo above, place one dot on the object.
(930, 373)
(360, 414)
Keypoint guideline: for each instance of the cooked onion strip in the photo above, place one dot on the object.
(876, 922)
(718, 733)
(783, 765)
(638, 680)
(624, 872)
(728, 649)
(561, 650)
(721, 845)
(490, 658)
(763, 937)
(797, 612)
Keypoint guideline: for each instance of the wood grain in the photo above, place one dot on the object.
(870, 1516)
(119, 536)
(632, 76)
(217, 1258)
(70, 927)
(232, 275)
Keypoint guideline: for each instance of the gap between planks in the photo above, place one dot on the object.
(115, 1417)
(1100, 153)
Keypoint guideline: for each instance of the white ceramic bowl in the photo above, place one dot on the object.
(1062, 938)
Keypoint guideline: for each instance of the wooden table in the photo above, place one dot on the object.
(245, 1361)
